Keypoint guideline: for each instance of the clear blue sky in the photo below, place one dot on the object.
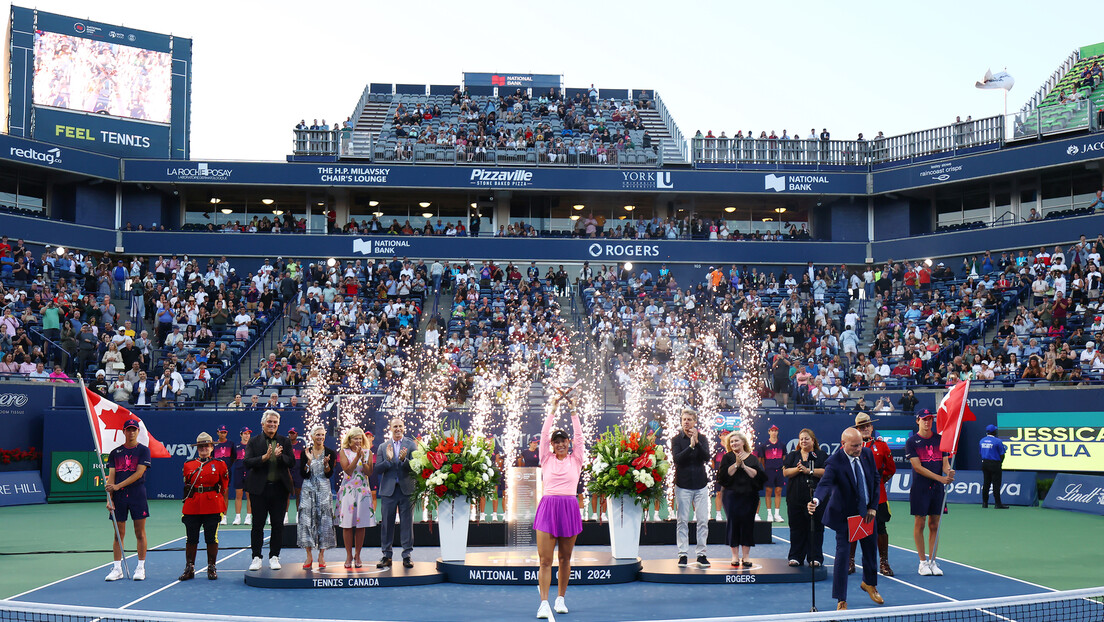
(849, 66)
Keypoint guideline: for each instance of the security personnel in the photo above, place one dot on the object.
(206, 482)
(883, 461)
(992, 459)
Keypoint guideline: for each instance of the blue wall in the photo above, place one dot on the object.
(849, 222)
(891, 218)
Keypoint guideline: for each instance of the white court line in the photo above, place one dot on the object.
(996, 574)
(881, 576)
(42, 587)
(162, 589)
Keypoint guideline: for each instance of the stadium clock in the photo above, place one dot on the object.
(69, 471)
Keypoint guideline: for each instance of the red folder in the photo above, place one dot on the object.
(857, 529)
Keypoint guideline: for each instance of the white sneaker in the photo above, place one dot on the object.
(758, 519)
(286, 520)
(545, 611)
(561, 606)
(719, 517)
(925, 568)
(255, 564)
(935, 569)
(274, 562)
(268, 520)
(115, 574)
(223, 521)
(605, 519)
(140, 573)
(237, 520)
(482, 516)
(778, 516)
(494, 516)
(248, 519)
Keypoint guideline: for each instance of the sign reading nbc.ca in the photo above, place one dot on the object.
(1060, 441)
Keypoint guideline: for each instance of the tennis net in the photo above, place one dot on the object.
(1086, 605)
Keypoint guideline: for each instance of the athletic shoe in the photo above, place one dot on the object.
(703, 561)
(778, 516)
(286, 520)
(223, 521)
(935, 569)
(758, 519)
(561, 606)
(719, 517)
(248, 519)
(115, 574)
(237, 520)
(545, 611)
(925, 569)
(274, 562)
(268, 520)
(255, 564)
(682, 561)
(482, 516)
(140, 573)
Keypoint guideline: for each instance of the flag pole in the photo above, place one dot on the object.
(103, 473)
(958, 430)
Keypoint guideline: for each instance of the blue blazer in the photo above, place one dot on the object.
(395, 473)
(839, 489)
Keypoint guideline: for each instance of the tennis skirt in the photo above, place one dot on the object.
(558, 516)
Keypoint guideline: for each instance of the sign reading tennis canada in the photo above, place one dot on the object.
(1055, 441)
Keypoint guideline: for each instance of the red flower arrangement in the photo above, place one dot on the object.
(8, 456)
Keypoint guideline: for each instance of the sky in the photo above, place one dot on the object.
(259, 67)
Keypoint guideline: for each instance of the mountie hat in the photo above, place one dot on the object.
(204, 439)
(862, 419)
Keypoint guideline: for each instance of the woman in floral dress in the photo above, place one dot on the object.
(316, 530)
(355, 508)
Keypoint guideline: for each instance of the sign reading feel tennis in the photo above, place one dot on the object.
(1054, 441)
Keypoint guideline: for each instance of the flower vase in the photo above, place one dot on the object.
(625, 517)
(452, 520)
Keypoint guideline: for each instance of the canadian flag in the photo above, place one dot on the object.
(108, 420)
(952, 411)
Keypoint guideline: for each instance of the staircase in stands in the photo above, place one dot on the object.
(660, 135)
(368, 127)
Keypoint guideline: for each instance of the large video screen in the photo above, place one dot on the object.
(75, 73)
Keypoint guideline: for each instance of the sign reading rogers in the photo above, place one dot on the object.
(623, 250)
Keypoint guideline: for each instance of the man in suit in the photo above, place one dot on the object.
(850, 484)
(269, 459)
(396, 485)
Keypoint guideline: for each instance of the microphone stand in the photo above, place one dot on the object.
(812, 536)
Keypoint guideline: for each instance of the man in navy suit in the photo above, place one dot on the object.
(850, 484)
(396, 485)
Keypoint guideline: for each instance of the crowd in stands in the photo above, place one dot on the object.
(554, 129)
(138, 332)
(680, 228)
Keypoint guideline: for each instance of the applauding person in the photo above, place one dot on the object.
(356, 510)
(742, 477)
(315, 526)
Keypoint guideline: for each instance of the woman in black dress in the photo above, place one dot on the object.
(742, 477)
(804, 467)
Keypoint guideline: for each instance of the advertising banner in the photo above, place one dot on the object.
(101, 133)
(1018, 488)
(1080, 493)
(384, 175)
(21, 488)
(49, 155)
(506, 80)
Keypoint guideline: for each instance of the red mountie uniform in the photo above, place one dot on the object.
(883, 460)
(209, 482)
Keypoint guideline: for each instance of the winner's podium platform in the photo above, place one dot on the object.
(336, 575)
(520, 568)
(762, 570)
